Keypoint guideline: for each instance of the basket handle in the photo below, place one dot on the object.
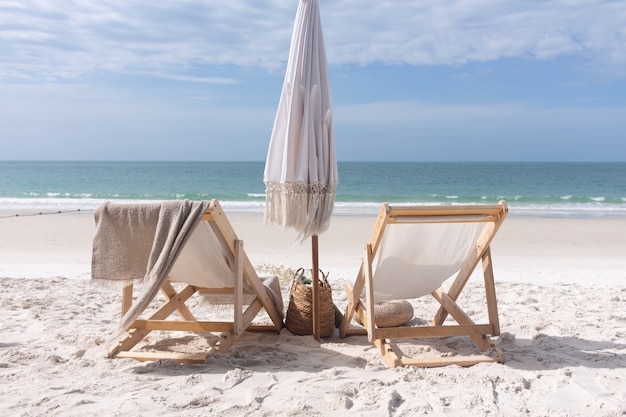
(300, 272)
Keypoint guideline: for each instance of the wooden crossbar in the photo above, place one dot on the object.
(180, 358)
(184, 326)
(477, 210)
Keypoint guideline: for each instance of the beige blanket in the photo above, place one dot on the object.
(141, 242)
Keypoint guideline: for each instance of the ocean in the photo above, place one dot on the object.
(540, 189)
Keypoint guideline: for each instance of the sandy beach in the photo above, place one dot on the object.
(561, 286)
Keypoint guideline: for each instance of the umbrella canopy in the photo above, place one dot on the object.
(301, 167)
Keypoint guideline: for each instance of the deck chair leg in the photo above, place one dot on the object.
(370, 324)
(490, 290)
(354, 294)
(127, 298)
(345, 329)
(390, 352)
(225, 342)
(238, 272)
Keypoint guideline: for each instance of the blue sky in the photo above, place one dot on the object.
(485, 80)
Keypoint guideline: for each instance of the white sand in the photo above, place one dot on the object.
(561, 288)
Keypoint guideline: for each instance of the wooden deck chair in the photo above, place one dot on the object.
(212, 264)
(412, 251)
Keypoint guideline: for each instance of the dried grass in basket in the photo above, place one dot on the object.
(299, 318)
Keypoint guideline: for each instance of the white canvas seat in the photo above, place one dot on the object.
(412, 252)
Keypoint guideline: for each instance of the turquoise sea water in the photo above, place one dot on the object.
(579, 189)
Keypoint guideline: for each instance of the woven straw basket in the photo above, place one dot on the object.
(299, 318)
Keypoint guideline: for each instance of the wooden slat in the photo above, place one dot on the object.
(187, 358)
(181, 307)
(353, 299)
(184, 326)
(389, 351)
(369, 322)
(469, 360)
(238, 272)
(355, 331)
(456, 210)
(250, 313)
(490, 293)
(226, 233)
(442, 219)
(174, 303)
(379, 227)
(133, 337)
(425, 332)
(127, 298)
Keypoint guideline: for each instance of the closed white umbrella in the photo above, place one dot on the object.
(301, 168)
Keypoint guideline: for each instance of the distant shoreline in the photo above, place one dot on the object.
(29, 207)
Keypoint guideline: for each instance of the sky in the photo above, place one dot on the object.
(468, 80)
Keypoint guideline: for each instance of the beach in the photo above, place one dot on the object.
(560, 282)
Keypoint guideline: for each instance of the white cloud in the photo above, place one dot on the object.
(425, 33)
(63, 39)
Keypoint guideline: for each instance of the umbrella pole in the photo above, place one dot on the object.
(316, 288)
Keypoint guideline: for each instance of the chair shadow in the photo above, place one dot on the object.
(260, 352)
(269, 352)
(542, 352)
(545, 352)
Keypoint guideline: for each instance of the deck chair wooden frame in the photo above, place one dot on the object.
(242, 272)
(494, 215)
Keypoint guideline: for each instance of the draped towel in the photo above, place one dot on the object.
(141, 242)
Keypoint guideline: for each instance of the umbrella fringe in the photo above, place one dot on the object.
(307, 208)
